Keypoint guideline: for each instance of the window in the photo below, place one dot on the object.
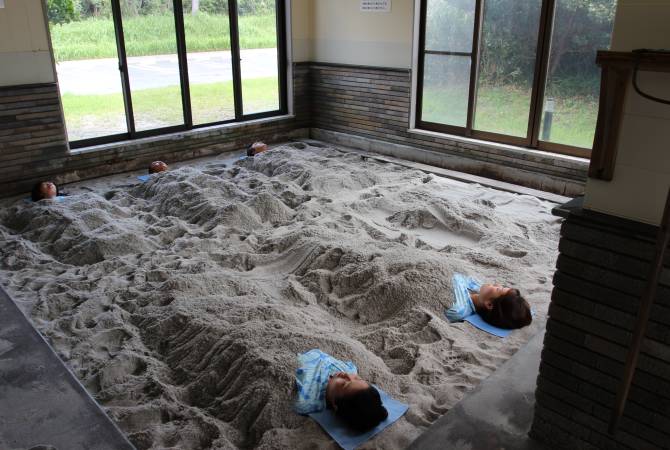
(513, 71)
(132, 68)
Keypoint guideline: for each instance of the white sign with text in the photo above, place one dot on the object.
(376, 5)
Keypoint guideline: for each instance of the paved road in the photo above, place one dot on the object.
(101, 76)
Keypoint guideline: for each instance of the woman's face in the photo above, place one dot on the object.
(48, 189)
(342, 384)
(489, 292)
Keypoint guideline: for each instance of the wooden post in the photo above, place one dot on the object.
(642, 317)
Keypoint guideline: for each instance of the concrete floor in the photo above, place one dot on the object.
(497, 414)
(42, 405)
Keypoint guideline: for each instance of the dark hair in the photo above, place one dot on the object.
(362, 410)
(36, 193)
(509, 311)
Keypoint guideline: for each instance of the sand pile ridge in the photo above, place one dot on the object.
(181, 302)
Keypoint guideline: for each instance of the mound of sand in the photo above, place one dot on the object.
(182, 302)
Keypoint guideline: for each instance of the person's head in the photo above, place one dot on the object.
(503, 307)
(157, 166)
(44, 189)
(355, 401)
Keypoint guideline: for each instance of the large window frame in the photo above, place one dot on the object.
(532, 138)
(132, 133)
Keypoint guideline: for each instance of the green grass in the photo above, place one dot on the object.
(505, 110)
(89, 116)
(155, 35)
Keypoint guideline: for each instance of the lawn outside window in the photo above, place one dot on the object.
(518, 72)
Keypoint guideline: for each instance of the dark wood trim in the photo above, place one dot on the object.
(613, 86)
(564, 149)
(474, 67)
(235, 58)
(352, 66)
(123, 67)
(647, 61)
(543, 53)
(27, 86)
(646, 302)
(178, 12)
(282, 52)
(436, 52)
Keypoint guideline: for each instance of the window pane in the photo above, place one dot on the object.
(258, 50)
(88, 72)
(450, 25)
(446, 80)
(507, 65)
(210, 72)
(153, 68)
(573, 79)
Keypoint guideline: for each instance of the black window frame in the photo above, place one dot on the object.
(532, 138)
(240, 117)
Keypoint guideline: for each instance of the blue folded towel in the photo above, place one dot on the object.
(477, 321)
(349, 439)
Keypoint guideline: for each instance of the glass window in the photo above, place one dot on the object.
(88, 72)
(445, 89)
(210, 69)
(257, 22)
(134, 68)
(153, 65)
(570, 106)
(507, 66)
(485, 65)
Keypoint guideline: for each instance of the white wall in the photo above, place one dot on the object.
(24, 46)
(642, 172)
(344, 34)
(302, 29)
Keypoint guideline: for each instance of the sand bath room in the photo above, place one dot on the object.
(334, 224)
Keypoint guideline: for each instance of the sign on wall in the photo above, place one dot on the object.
(376, 5)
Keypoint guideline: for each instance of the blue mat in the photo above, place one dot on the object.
(349, 439)
(477, 321)
(58, 199)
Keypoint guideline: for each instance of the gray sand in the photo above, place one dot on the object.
(181, 302)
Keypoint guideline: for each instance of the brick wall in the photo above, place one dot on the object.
(601, 273)
(375, 103)
(33, 144)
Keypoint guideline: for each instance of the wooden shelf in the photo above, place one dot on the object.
(617, 68)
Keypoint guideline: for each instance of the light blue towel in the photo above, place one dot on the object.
(349, 439)
(311, 379)
(464, 309)
(477, 321)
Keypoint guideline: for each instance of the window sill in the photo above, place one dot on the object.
(177, 135)
(508, 150)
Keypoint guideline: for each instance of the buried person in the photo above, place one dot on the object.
(157, 167)
(44, 190)
(325, 382)
(502, 307)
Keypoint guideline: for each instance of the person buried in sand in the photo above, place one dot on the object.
(502, 307)
(44, 190)
(325, 382)
(157, 166)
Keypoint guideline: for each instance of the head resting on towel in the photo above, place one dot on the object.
(44, 190)
(502, 307)
(355, 401)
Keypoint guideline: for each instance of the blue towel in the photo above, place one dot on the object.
(477, 321)
(59, 199)
(144, 178)
(349, 439)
